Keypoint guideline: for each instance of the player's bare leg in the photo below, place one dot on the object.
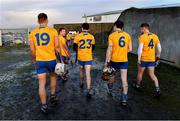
(88, 80)
(154, 79)
(81, 74)
(124, 86)
(139, 76)
(110, 84)
(42, 91)
(53, 86)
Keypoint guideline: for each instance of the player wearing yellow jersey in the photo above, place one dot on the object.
(43, 46)
(119, 44)
(148, 44)
(84, 44)
(65, 53)
(68, 38)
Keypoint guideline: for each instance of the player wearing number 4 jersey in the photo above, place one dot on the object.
(119, 44)
(43, 44)
(147, 56)
(84, 44)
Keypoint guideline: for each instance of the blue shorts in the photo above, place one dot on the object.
(64, 58)
(119, 65)
(83, 63)
(45, 66)
(147, 64)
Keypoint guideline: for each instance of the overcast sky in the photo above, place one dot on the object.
(23, 13)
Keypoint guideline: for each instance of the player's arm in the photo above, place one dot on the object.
(109, 50)
(159, 49)
(56, 44)
(75, 44)
(130, 45)
(140, 48)
(93, 44)
(67, 50)
(108, 54)
(33, 50)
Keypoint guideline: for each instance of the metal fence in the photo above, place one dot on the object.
(10, 37)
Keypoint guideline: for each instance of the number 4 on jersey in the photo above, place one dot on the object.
(151, 44)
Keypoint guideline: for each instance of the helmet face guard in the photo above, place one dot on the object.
(60, 69)
(108, 71)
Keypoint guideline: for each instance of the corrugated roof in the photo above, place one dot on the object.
(119, 11)
(164, 6)
(105, 13)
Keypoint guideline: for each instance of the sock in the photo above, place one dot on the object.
(157, 89)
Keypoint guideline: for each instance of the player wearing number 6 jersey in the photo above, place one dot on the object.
(84, 44)
(43, 44)
(148, 44)
(119, 44)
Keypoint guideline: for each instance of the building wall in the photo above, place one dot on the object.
(165, 22)
(99, 30)
(104, 19)
(0, 39)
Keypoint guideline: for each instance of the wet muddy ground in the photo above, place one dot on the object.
(19, 92)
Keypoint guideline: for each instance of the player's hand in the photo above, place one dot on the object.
(139, 62)
(157, 58)
(34, 62)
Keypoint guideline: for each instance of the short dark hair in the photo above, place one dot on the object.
(42, 17)
(61, 29)
(119, 24)
(85, 26)
(146, 25)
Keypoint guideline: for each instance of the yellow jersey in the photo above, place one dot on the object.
(43, 39)
(84, 42)
(120, 41)
(149, 41)
(68, 36)
(62, 43)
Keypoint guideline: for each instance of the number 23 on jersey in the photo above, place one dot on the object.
(83, 44)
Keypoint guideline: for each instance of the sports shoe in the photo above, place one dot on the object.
(81, 85)
(157, 93)
(54, 99)
(89, 94)
(124, 100)
(110, 88)
(137, 87)
(44, 108)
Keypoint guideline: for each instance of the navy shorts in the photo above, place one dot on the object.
(64, 58)
(119, 65)
(147, 64)
(45, 66)
(83, 63)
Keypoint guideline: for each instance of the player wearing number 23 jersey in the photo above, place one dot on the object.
(84, 41)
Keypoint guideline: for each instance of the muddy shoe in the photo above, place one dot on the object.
(137, 87)
(124, 100)
(110, 88)
(54, 100)
(64, 79)
(81, 85)
(89, 94)
(44, 108)
(157, 94)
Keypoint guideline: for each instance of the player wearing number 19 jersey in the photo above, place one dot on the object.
(84, 44)
(119, 44)
(148, 44)
(43, 44)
